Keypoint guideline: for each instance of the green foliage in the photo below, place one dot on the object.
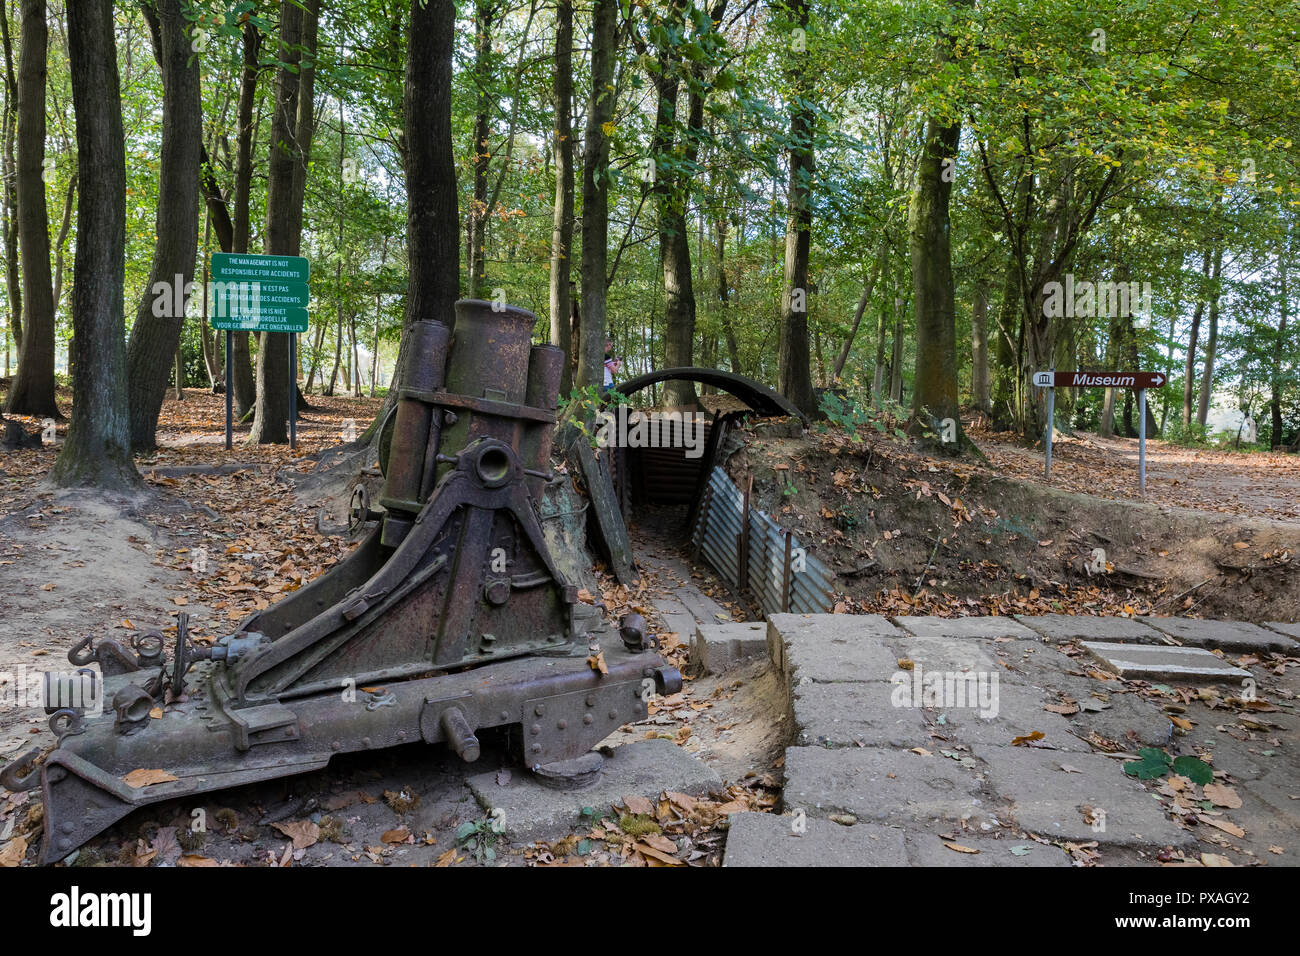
(1154, 763)
(479, 837)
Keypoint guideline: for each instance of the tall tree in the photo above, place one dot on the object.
(795, 364)
(97, 449)
(291, 127)
(1211, 337)
(485, 14)
(250, 70)
(595, 192)
(9, 190)
(32, 391)
(157, 329)
(562, 218)
(433, 218)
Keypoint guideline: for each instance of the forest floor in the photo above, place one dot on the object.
(905, 533)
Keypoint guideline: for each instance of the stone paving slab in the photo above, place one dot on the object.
(925, 849)
(964, 627)
(719, 647)
(833, 647)
(1049, 801)
(1142, 662)
(933, 653)
(1058, 628)
(880, 785)
(1222, 635)
(765, 839)
(643, 768)
(1018, 711)
(847, 715)
(1282, 627)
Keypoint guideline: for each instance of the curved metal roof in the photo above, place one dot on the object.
(761, 398)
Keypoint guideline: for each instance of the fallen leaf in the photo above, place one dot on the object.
(1227, 826)
(1214, 859)
(196, 861)
(597, 662)
(303, 833)
(147, 778)
(448, 858)
(959, 848)
(400, 835)
(1221, 795)
(13, 852)
(639, 805)
(1025, 740)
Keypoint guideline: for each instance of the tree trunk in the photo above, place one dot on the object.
(671, 191)
(934, 395)
(562, 218)
(160, 315)
(1189, 374)
(794, 368)
(271, 408)
(9, 191)
(979, 370)
(96, 451)
(32, 389)
(241, 356)
(867, 291)
(433, 218)
(484, 16)
(595, 193)
(1279, 348)
(896, 353)
(1211, 339)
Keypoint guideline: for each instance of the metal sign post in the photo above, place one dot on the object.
(1139, 381)
(230, 391)
(1142, 440)
(1051, 428)
(261, 293)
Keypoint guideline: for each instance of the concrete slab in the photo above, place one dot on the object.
(765, 839)
(1143, 662)
(880, 785)
(846, 715)
(643, 769)
(986, 627)
(719, 647)
(1017, 711)
(1222, 635)
(833, 647)
(925, 849)
(1050, 802)
(1058, 628)
(933, 653)
(1291, 630)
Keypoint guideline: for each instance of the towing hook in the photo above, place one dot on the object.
(83, 653)
(12, 777)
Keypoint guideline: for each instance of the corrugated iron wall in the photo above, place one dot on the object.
(752, 552)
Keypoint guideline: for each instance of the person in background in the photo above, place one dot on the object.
(612, 365)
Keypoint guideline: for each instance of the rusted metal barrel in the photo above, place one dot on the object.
(416, 425)
(545, 368)
(489, 367)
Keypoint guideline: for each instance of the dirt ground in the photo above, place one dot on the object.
(908, 533)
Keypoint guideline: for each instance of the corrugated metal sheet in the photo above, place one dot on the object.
(717, 537)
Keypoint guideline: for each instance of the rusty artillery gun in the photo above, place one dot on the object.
(449, 617)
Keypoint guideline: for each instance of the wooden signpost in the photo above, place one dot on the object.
(1141, 381)
(260, 293)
